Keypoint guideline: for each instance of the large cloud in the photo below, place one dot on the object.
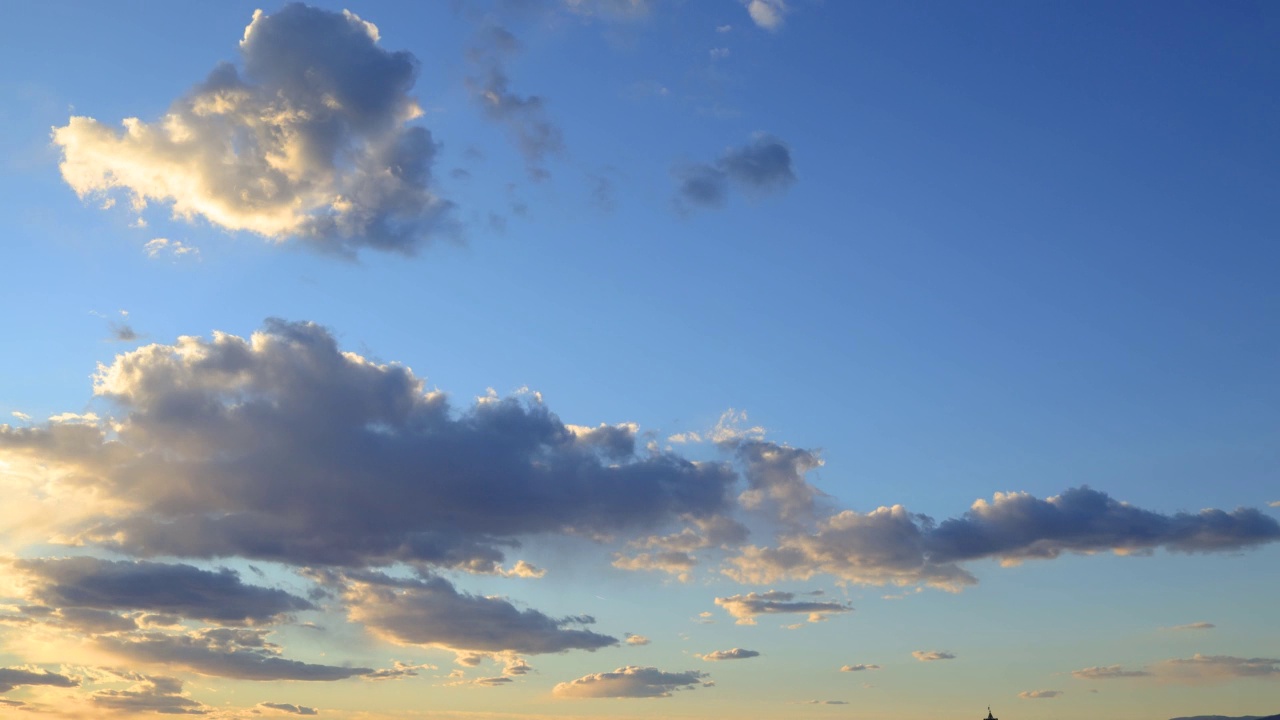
(310, 140)
(84, 582)
(156, 694)
(891, 545)
(11, 678)
(221, 652)
(1195, 670)
(282, 447)
(432, 612)
(629, 682)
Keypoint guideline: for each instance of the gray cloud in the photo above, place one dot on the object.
(891, 545)
(860, 667)
(629, 682)
(222, 652)
(1195, 670)
(432, 612)
(282, 447)
(931, 655)
(761, 166)
(11, 678)
(288, 708)
(309, 140)
(734, 654)
(84, 582)
(123, 332)
(162, 695)
(746, 607)
(524, 116)
(823, 702)
(1193, 626)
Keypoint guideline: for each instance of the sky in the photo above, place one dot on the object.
(640, 359)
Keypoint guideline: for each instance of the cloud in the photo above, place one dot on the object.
(776, 479)
(858, 668)
(636, 639)
(822, 702)
(11, 678)
(524, 116)
(1109, 672)
(1275, 504)
(123, 332)
(282, 447)
(931, 655)
(156, 694)
(308, 139)
(734, 654)
(497, 681)
(432, 612)
(221, 652)
(892, 546)
(673, 562)
(397, 671)
(610, 9)
(1215, 668)
(84, 582)
(1039, 694)
(1193, 626)
(157, 246)
(629, 682)
(746, 607)
(288, 708)
(767, 14)
(761, 166)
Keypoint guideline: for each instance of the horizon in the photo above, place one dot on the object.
(640, 359)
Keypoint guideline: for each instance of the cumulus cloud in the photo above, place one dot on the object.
(761, 166)
(860, 667)
(672, 562)
(1039, 694)
(1107, 673)
(767, 14)
(84, 582)
(629, 682)
(222, 652)
(747, 607)
(11, 678)
(637, 639)
(282, 447)
(288, 708)
(309, 138)
(892, 546)
(525, 117)
(734, 654)
(931, 655)
(432, 612)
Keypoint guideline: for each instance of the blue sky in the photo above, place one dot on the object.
(806, 260)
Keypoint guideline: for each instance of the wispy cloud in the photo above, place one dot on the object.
(931, 655)
(1039, 694)
(751, 605)
(630, 682)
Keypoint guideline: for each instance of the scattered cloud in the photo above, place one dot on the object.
(761, 166)
(747, 607)
(734, 654)
(309, 138)
(398, 670)
(822, 702)
(1215, 668)
(221, 652)
(630, 682)
(1039, 694)
(931, 655)
(175, 248)
(524, 116)
(156, 694)
(637, 639)
(860, 667)
(673, 562)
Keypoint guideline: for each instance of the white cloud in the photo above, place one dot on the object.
(637, 639)
(310, 140)
(858, 668)
(176, 248)
(767, 14)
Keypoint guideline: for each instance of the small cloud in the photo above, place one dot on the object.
(767, 14)
(1275, 504)
(523, 569)
(719, 53)
(724, 29)
(1107, 673)
(1039, 694)
(630, 682)
(734, 654)
(761, 166)
(636, 639)
(122, 332)
(288, 708)
(21, 416)
(931, 655)
(1193, 626)
(175, 248)
(858, 668)
(822, 702)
